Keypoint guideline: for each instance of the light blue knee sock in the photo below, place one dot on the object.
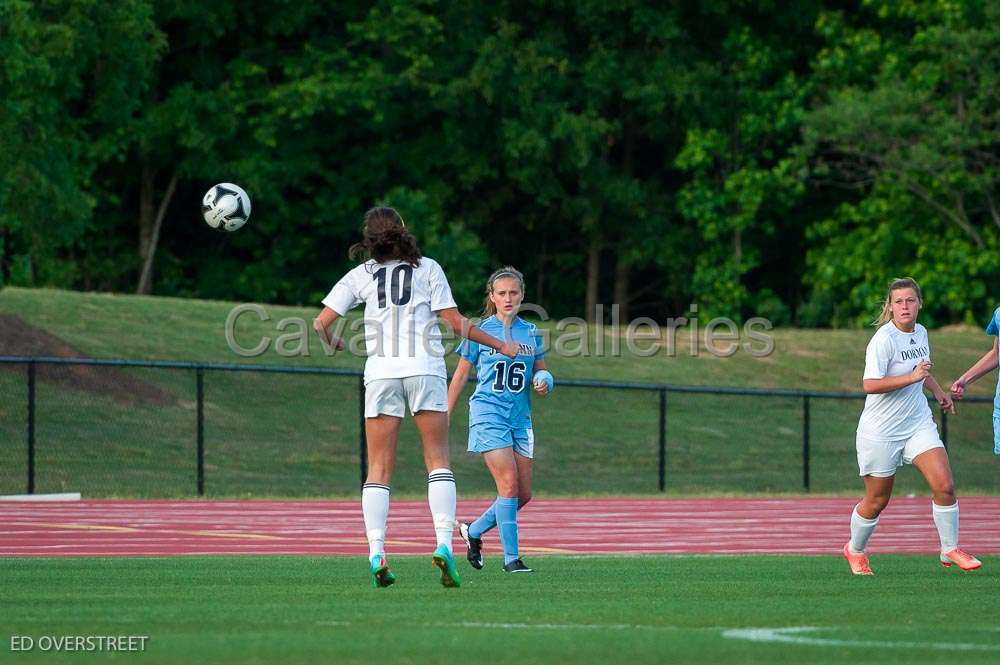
(506, 514)
(484, 522)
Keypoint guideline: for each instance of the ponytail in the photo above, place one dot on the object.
(386, 238)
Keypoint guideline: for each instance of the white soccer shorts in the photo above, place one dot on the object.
(390, 396)
(882, 458)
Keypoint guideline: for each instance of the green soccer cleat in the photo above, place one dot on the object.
(444, 560)
(381, 575)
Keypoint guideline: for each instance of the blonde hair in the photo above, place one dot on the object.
(895, 285)
(489, 309)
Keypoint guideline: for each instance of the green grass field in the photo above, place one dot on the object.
(581, 610)
(293, 435)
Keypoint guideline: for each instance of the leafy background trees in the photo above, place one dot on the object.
(761, 158)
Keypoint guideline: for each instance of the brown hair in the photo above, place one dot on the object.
(895, 285)
(489, 309)
(386, 238)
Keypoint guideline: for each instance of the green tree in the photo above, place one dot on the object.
(915, 142)
(71, 75)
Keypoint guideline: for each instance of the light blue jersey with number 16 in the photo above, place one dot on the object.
(503, 389)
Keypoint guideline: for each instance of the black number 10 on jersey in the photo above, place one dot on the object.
(400, 284)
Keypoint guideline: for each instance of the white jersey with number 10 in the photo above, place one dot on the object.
(402, 337)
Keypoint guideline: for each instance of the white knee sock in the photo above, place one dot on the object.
(441, 498)
(862, 529)
(946, 521)
(375, 506)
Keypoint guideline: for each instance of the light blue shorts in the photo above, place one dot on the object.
(484, 437)
(996, 435)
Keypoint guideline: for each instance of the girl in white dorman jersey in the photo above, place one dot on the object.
(897, 428)
(404, 294)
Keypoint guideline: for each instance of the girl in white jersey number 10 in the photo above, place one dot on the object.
(404, 294)
(897, 427)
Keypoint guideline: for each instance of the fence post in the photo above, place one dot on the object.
(200, 382)
(362, 441)
(944, 428)
(31, 427)
(805, 442)
(663, 439)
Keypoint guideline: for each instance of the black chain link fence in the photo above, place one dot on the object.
(109, 428)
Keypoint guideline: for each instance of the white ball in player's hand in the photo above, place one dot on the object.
(226, 207)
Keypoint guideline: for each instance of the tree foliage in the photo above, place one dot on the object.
(754, 158)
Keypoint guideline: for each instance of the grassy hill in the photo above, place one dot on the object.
(131, 432)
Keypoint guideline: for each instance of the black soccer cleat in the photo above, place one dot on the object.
(475, 547)
(517, 566)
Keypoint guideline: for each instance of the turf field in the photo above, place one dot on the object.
(643, 609)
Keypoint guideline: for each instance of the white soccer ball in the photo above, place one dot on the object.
(226, 207)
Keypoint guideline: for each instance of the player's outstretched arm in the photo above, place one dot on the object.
(322, 323)
(984, 365)
(458, 381)
(463, 327)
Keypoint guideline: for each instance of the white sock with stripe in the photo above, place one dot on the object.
(375, 506)
(862, 529)
(441, 496)
(946, 521)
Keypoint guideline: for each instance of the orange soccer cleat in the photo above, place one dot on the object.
(963, 560)
(858, 561)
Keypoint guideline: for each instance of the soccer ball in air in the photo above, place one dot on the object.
(226, 207)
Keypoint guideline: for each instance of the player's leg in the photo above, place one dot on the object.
(933, 464)
(502, 464)
(428, 394)
(877, 463)
(441, 492)
(483, 437)
(523, 479)
(864, 519)
(523, 444)
(383, 416)
(524, 453)
(382, 435)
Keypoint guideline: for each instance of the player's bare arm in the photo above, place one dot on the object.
(465, 328)
(940, 395)
(889, 383)
(983, 366)
(322, 323)
(458, 381)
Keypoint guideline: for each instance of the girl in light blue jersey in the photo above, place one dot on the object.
(500, 412)
(983, 366)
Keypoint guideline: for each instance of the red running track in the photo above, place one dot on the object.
(559, 526)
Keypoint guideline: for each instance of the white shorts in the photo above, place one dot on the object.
(390, 396)
(882, 458)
